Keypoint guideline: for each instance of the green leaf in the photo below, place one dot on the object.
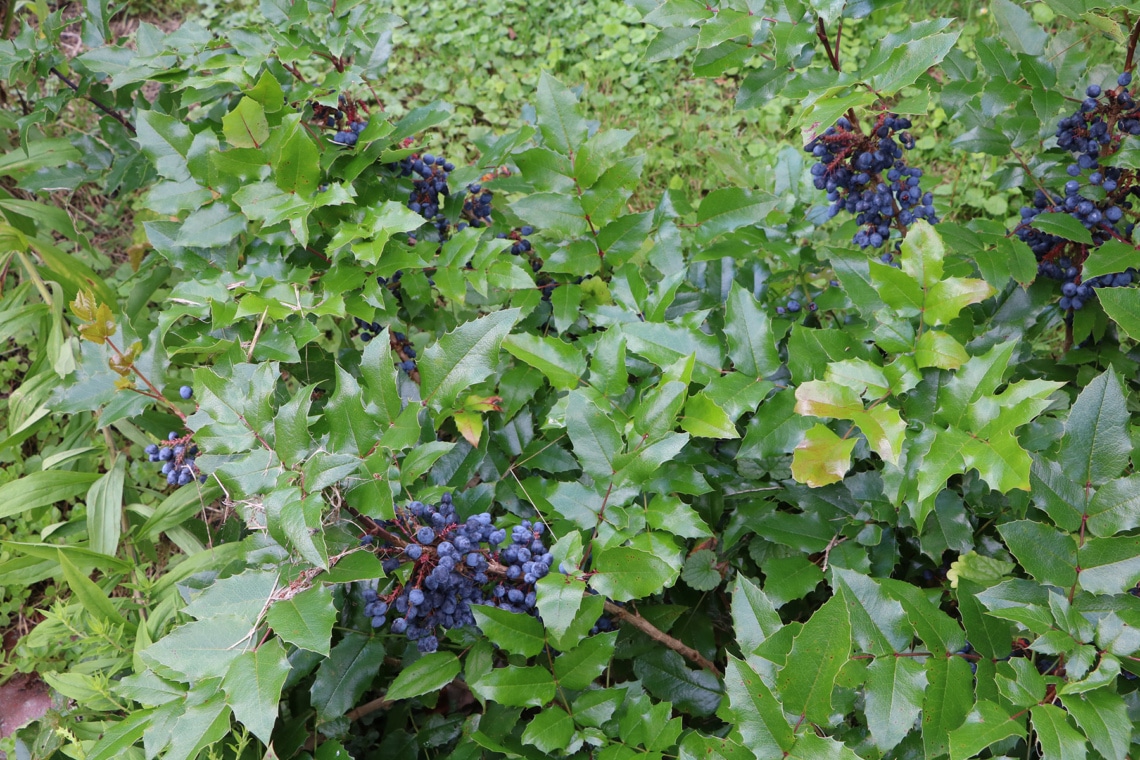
(305, 620)
(895, 686)
(790, 578)
(754, 617)
(1096, 446)
(700, 571)
(759, 716)
(245, 126)
(819, 652)
(562, 127)
(1110, 565)
(558, 602)
(594, 435)
(1122, 306)
(105, 509)
(948, 698)
(203, 648)
(1018, 28)
(1103, 717)
(166, 141)
(1047, 554)
(988, 723)
(244, 595)
(946, 299)
(463, 357)
(561, 362)
(291, 428)
(515, 686)
(296, 164)
(704, 418)
(39, 489)
(667, 676)
(622, 574)
(821, 457)
(579, 667)
(1059, 740)
(878, 622)
(751, 345)
(253, 687)
(550, 731)
(730, 208)
(1115, 507)
(513, 631)
(121, 736)
(1064, 226)
(427, 674)
(89, 594)
(345, 675)
(907, 62)
(1109, 258)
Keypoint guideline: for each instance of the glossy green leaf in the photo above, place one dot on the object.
(758, 714)
(747, 327)
(513, 631)
(549, 731)
(1047, 554)
(986, 724)
(895, 687)
(429, 673)
(516, 686)
(821, 457)
(105, 509)
(580, 666)
(1096, 445)
(346, 674)
(623, 573)
(562, 363)
(819, 652)
(1123, 306)
(463, 357)
(245, 126)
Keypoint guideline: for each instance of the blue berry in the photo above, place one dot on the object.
(186, 392)
(425, 535)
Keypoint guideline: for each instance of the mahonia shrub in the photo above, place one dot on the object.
(373, 452)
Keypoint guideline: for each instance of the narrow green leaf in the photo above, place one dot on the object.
(895, 686)
(594, 435)
(105, 509)
(89, 594)
(1062, 225)
(39, 489)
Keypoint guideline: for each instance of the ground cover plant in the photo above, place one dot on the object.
(387, 444)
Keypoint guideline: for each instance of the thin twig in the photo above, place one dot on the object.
(101, 106)
(653, 632)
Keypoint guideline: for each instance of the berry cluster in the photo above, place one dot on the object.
(520, 246)
(348, 119)
(454, 565)
(477, 206)
(429, 188)
(866, 175)
(177, 457)
(405, 351)
(1094, 132)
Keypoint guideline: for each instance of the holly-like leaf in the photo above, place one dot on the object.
(513, 631)
(821, 457)
(463, 357)
(305, 620)
(1096, 446)
(253, 686)
(819, 652)
(895, 686)
(986, 724)
(343, 677)
(759, 716)
(549, 731)
(1046, 553)
(427, 674)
